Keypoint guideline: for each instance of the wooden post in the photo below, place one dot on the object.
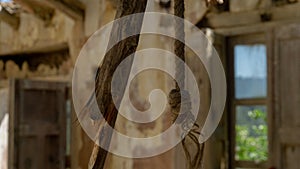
(111, 61)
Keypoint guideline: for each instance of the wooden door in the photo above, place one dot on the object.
(37, 129)
(287, 97)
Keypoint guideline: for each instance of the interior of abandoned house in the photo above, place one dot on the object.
(257, 42)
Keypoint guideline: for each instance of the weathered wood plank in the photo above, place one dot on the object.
(253, 29)
(291, 157)
(37, 132)
(261, 101)
(41, 47)
(231, 19)
(8, 18)
(290, 135)
(287, 99)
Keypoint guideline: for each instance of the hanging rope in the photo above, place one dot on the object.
(178, 45)
(180, 98)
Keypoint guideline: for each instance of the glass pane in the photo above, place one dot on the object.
(250, 71)
(251, 133)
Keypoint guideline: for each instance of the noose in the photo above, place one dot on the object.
(180, 98)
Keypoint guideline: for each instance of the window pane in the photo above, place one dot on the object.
(250, 71)
(251, 133)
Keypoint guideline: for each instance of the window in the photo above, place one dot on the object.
(248, 103)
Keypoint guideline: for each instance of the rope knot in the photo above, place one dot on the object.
(181, 106)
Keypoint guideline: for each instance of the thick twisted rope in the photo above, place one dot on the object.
(178, 45)
(179, 99)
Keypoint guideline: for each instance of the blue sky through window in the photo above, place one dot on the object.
(250, 61)
(5, 0)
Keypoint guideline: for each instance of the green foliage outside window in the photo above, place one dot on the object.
(251, 138)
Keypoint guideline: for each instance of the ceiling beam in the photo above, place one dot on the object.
(238, 19)
(41, 47)
(68, 8)
(8, 18)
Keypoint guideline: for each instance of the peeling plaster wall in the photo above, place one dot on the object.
(35, 37)
(34, 34)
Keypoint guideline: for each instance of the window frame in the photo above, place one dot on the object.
(259, 38)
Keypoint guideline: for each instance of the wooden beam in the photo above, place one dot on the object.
(253, 29)
(8, 18)
(238, 19)
(41, 47)
(36, 8)
(112, 59)
(250, 102)
(69, 9)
